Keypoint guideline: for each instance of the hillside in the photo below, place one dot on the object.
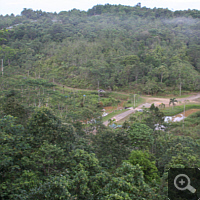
(148, 50)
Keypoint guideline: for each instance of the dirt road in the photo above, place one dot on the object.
(165, 101)
(151, 100)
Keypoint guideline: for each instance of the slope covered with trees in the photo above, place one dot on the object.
(147, 50)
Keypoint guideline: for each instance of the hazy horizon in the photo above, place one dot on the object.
(15, 7)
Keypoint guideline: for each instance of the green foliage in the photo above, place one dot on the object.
(45, 126)
(141, 135)
(178, 109)
(172, 148)
(3, 35)
(147, 164)
(39, 82)
(53, 142)
(173, 101)
(152, 117)
(128, 183)
(179, 154)
(12, 148)
(11, 106)
(128, 53)
(112, 147)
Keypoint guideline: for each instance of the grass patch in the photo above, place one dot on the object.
(139, 102)
(109, 116)
(119, 96)
(178, 109)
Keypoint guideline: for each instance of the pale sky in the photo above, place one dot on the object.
(16, 6)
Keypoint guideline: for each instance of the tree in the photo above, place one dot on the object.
(152, 87)
(163, 72)
(29, 13)
(132, 67)
(48, 159)
(8, 54)
(57, 32)
(146, 162)
(44, 125)
(141, 135)
(152, 117)
(162, 105)
(3, 36)
(12, 106)
(179, 155)
(193, 52)
(111, 121)
(13, 148)
(128, 183)
(172, 101)
(179, 72)
(111, 147)
(82, 178)
(170, 145)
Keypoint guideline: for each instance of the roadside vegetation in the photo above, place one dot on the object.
(179, 108)
(112, 114)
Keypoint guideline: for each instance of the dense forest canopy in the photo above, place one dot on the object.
(136, 47)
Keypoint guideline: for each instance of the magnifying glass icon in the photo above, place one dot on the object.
(182, 182)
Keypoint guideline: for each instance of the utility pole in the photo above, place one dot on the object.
(134, 100)
(98, 91)
(183, 114)
(2, 66)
